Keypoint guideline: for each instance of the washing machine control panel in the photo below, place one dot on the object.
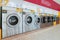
(4, 11)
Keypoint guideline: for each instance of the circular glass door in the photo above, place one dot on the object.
(38, 20)
(49, 19)
(43, 20)
(13, 20)
(29, 20)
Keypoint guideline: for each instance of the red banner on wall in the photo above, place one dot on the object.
(46, 3)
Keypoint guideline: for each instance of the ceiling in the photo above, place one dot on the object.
(57, 1)
(53, 4)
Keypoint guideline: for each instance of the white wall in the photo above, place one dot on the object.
(29, 5)
(48, 10)
(32, 6)
(13, 3)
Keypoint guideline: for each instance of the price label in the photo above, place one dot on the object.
(32, 11)
(40, 14)
(19, 9)
(49, 14)
(38, 10)
(45, 14)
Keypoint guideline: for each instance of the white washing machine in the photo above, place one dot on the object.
(28, 21)
(37, 21)
(11, 22)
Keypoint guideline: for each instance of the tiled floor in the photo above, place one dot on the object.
(51, 33)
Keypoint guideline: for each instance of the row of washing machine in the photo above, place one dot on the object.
(14, 22)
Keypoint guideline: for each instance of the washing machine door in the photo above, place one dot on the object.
(28, 20)
(43, 19)
(52, 19)
(12, 20)
(38, 20)
(49, 19)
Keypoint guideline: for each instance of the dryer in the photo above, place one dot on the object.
(28, 20)
(11, 22)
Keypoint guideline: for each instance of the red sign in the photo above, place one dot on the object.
(46, 3)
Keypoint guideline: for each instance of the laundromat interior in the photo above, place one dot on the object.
(29, 19)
